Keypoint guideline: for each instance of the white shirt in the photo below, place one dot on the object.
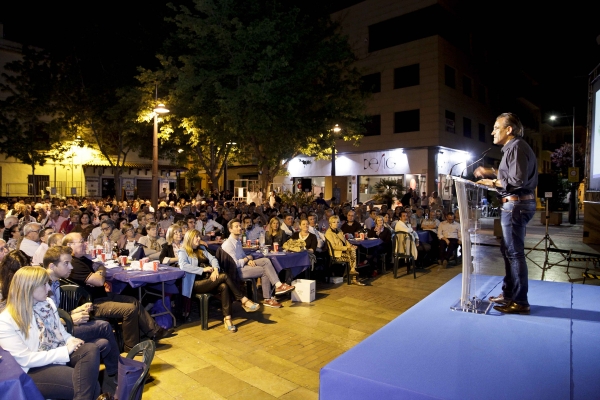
(233, 247)
(255, 232)
(97, 231)
(38, 256)
(449, 231)
(29, 247)
(319, 235)
(211, 225)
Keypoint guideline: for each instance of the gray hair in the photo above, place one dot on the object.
(31, 227)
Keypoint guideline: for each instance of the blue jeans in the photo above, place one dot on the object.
(101, 334)
(514, 217)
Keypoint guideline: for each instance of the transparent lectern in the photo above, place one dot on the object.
(473, 293)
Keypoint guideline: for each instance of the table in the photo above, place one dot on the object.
(164, 277)
(296, 262)
(15, 384)
(365, 244)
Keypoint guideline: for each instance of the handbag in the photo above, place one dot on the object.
(129, 372)
(294, 245)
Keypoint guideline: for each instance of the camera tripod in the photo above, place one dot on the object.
(548, 243)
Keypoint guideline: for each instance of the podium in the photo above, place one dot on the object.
(473, 291)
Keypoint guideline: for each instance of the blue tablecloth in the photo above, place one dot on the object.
(367, 243)
(296, 262)
(119, 278)
(15, 384)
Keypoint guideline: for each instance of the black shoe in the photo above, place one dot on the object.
(500, 299)
(105, 396)
(163, 333)
(513, 308)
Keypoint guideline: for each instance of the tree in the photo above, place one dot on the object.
(28, 130)
(262, 74)
(562, 159)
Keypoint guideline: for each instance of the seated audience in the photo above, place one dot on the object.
(342, 249)
(152, 242)
(381, 232)
(351, 226)
(38, 256)
(91, 276)
(450, 237)
(253, 232)
(109, 233)
(84, 226)
(129, 237)
(169, 252)
(274, 234)
(60, 365)
(310, 240)
(203, 275)
(31, 239)
(57, 263)
(248, 267)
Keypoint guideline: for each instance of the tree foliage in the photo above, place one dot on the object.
(28, 129)
(262, 74)
(562, 158)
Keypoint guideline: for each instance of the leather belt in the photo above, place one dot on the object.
(518, 198)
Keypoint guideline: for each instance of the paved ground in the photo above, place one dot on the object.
(278, 353)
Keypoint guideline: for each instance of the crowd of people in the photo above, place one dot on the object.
(46, 242)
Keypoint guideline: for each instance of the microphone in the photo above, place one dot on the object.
(476, 161)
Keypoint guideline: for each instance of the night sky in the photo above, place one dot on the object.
(556, 45)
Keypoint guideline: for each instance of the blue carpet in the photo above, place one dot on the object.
(433, 352)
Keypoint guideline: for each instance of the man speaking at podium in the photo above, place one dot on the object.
(515, 181)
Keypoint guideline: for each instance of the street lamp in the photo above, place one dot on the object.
(573, 202)
(336, 130)
(225, 181)
(160, 109)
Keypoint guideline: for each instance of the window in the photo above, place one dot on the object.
(450, 121)
(482, 133)
(407, 121)
(467, 127)
(406, 76)
(371, 83)
(450, 76)
(373, 127)
(481, 94)
(467, 86)
(38, 184)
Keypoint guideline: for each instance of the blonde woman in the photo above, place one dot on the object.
(274, 233)
(342, 249)
(203, 275)
(60, 365)
(170, 250)
(152, 241)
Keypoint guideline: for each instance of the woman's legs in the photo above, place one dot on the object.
(77, 380)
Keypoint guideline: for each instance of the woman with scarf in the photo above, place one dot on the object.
(152, 242)
(60, 365)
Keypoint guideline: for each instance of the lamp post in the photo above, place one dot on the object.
(336, 130)
(160, 109)
(225, 181)
(573, 202)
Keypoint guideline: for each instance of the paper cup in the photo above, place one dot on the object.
(93, 253)
(123, 260)
(248, 243)
(103, 257)
(275, 247)
(155, 265)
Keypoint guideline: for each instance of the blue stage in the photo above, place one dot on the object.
(433, 352)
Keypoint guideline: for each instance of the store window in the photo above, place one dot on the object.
(366, 185)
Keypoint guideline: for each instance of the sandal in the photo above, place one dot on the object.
(229, 326)
(252, 307)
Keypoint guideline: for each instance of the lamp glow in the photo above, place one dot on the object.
(161, 109)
